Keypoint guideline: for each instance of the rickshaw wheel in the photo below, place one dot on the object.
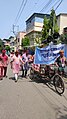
(59, 84)
(31, 73)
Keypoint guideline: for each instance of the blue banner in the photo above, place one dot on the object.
(47, 55)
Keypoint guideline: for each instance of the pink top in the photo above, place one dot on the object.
(16, 64)
(5, 59)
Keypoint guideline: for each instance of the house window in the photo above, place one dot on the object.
(65, 30)
(18, 39)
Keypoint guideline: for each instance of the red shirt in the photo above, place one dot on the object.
(5, 60)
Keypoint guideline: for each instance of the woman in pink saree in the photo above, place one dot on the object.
(15, 65)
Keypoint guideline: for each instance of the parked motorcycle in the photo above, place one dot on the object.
(50, 73)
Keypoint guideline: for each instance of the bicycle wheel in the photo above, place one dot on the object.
(31, 73)
(59, 84)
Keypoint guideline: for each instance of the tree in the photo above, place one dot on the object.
(7, 48)
(25, 41)
(63, 38)
(53, 22)
(1, 45)
(50, 28)
(45, 29)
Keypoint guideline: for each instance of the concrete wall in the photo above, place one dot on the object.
(62, 22)
(36, 25)
(20, 35)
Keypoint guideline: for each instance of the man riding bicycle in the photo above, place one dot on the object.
(61, 61)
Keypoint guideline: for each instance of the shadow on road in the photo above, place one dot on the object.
(48, 83)
(62, 114)
(11, 78)
(63, 117)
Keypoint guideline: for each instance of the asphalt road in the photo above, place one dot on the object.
(29, 99)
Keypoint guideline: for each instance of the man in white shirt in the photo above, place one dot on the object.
(25, 66)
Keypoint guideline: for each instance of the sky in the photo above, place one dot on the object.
(9, 16)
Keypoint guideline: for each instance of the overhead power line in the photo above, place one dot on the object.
(53, 6)
(21, 10)
(23, 4)
(49, 2)
(58, 5)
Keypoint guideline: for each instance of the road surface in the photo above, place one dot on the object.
(29, 99)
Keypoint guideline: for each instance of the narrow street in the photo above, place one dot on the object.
(28, 99)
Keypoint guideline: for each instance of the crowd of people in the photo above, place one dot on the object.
(18, 61)
(21, 62)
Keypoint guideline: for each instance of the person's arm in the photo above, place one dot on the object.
(21, 61)
(7, 60)
(66, 61)
(56, 62)
(11, 62)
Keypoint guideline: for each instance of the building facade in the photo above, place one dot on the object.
(65, 30)
(6, 42)
(11, 42)
(18, 40)
(62, 22)
(34, 27)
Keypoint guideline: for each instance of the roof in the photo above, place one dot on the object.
(11, 37)
(61, 14)
(42, 15)
(6, 40)
(22, 32)
(38, 15)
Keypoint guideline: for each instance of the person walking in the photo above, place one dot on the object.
(4, 57)
(25, 66)
(15, 65)
(1, 68)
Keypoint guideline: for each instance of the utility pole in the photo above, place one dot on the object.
(15, 31)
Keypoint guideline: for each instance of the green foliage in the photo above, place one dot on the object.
(53, 22)
(63, 38)
(45, 30)
(50, 26)
(56, 28)
(7, 48)
(25, 41)
(1, 45)
(38, 40)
